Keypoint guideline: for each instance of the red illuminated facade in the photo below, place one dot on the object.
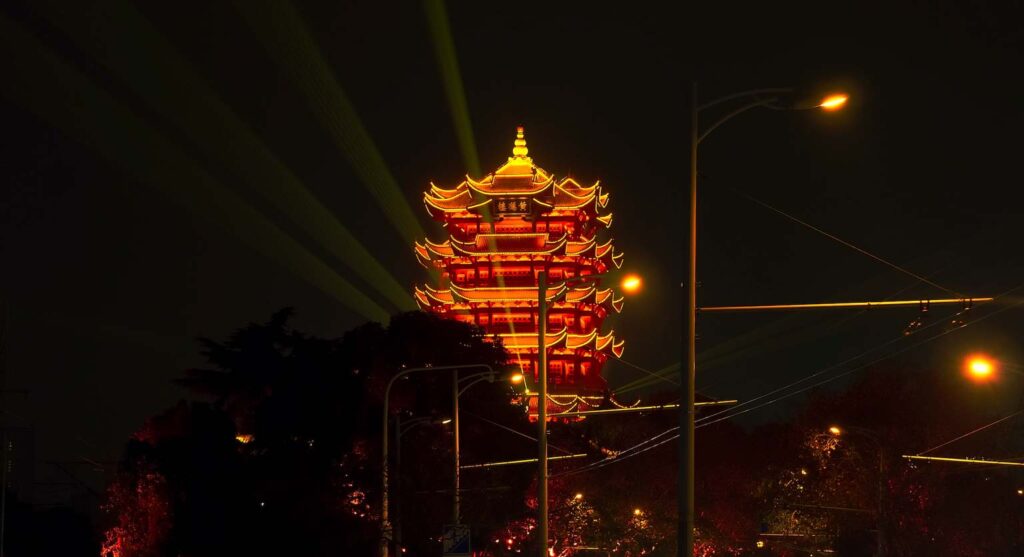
(502, 231)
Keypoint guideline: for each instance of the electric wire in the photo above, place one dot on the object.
(647, 371)
(734, 409)
(858, 368)
(972, 432)
(845, 243)
(519, 433)
(626, 454)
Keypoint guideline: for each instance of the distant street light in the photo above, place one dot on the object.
(873, 437)
(631, 283)
(401, 428)
(834, 102)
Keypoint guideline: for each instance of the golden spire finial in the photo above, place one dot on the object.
(520, 149)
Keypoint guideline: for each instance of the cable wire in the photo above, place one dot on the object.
(972, 432)
(847, 244)
(519, 433)
(844, 374)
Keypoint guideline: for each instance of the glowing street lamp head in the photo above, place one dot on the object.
(578, 496)
(835, 430)
(516, 378)
(834, 102)
(980, 368)
(632, 283)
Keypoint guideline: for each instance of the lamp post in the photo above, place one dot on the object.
(542, 393)
(767, 98)
(879, 518)
(401, 428)
(385, 522)
(471, 380)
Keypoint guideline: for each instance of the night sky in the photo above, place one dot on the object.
(108, 279)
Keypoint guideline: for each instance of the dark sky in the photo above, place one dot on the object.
(108, 281)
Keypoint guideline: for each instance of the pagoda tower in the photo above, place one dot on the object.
(502, 231)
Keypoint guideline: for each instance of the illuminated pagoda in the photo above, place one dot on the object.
(502, 231)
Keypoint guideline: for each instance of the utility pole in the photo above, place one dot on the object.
(456, 502)
(688, 370)
(542, 413)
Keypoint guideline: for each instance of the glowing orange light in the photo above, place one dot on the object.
(980, 367)
(803, 471)
(516, 379)
(243, 438)
(1020, 492)
(578, 496)
(631, 283)
(834, 430)
(759, 544)
(834, 102)
(637, 512)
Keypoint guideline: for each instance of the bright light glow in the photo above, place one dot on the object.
(446, 421)
(578, 496)
(834, 102)
(516, 378)
(1020, 492)
(243, 438)
(631, 283)
(637, 512)
(980, 368)
(759, 544)
(834, 430)
(803, 471)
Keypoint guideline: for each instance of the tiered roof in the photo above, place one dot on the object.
(517, 187)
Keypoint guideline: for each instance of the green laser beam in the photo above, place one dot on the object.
(291, 47)
(40, 81)
(451, 79)
(126, 42)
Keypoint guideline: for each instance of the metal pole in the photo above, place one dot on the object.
(687, 371)
(385, 523)
(881, 502)
(455, 429)
(398, 486)
(542, 413)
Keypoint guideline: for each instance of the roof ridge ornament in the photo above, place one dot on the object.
(520, 150)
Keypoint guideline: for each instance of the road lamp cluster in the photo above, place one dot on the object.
(459, 386)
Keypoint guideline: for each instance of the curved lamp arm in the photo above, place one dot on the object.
(763, 102)
(750, 93)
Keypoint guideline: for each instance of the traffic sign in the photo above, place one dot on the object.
(456, 540)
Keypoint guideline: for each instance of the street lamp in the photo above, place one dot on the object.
(871, 436)
(632, 283)
(385, 521)
(542, 389)
(460, 386)
(767, 98)
(980, 368)
(401, 428)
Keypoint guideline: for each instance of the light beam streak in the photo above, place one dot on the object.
(128, 44)
(291, 47)
(63, 96)
(451, 79)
